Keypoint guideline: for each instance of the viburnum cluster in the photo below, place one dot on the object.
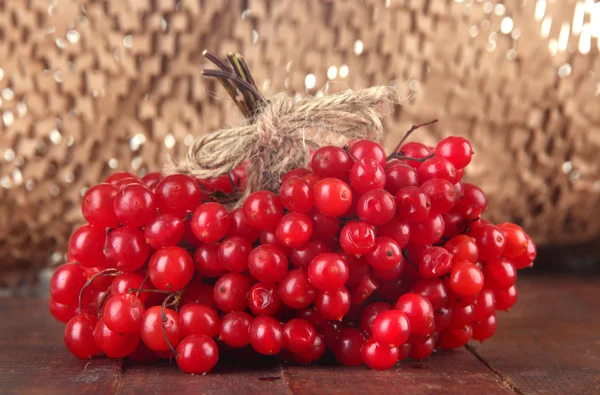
(375, 258)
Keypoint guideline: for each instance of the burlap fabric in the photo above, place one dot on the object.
(89, 87)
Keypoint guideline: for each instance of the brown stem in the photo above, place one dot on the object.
(102, 300)
(105, 272)
(137, 295)
(402, 157)
(410, 131)
(175, 296)
(231, 76)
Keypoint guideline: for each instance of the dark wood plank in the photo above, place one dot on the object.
(34, 359)
(550, 341)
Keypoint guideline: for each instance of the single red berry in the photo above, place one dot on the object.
(442, 318)
(233, 254)
(391, 274)
(455, 224)
(418, 310)
(235, 329)
(113, 344)
(266, 335)
(66, 284)
(357, 238)
(270, 237)
(466, 280)
(499, 274)
(178, 194)
(331, 161)
(385, 255)
(332, 196)
(296, 290)
(348, 347)
(325, 228)
(86, 246)
(391, 328)
(412, 204)
(456, 337)
(415, 150)
(123, 313)
(263, 299)
(328, 272)
(123, 283)
(490, 241)
(420, 351)
(472, 202)
(299, 172)
(62, 312)
(369, 313)
(485, 305)
(312, 179)
(516, 240)
(463, 247)
(461, 316)
(434, 262)
(367, 174)
(197, 354)
(238, 226)
(294, 229)
(263, 210)
(379, 357)
(199, 319)
(364, 289)
(164, 230)
(198, 292)
(152, 333)
(315, 351)
(151, 180)
(230, 292)
(113, 178)
(135, 205)
(296, 195)
(397, 229)
(79, 336)
(526, 259)
(456, 149)
(224, 184)
(357, 268)
(98, 206)
(399, 174)
(122, 183)
(206, 259)
(171, 268)
(298, 335)
(428, 231)
(376, 207)
(268, 263)
(483, 330)
(506, 299)
(333, 305)
(442, 195)
(368, 149)
(210, 222)
(435, 290)
(302, 256)
(127, 249)
(437, 168)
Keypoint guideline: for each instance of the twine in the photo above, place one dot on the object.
(279, 137)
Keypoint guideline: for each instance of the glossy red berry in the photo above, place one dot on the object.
(399, 174)
(506, 299)
(328, 272)
(135, 205)
(331, 161)
(123, 283)
(332, 196)
(357, 238)
(152, 333)
(367, 174)
(435, 290)
(296, 195)
(263, 299)
(235, 329)
(238, 226)
(62, 312)
(79, 336)
(66, 283)
(178, 194)
(233, 254)
(490, 241)
(164, 230)
(456, 149)
(392, 274)
(437, 167)
(197, 354)
(516, 240)
(412, 204)
(115, 177)
(152, 179)
(368, 149)
(266, 335)
(123, 313)
(499, 274)
(466, 280)
(483, 330)
(230, 292)
(333, 305)
(127, 249)
(199, 319)
(463, 247)
(348, 347)
(325, 228)
(298, 172)
(442, 195)
(366, 286)
(206, 259)
(377, 356)
(171, 268)
(296, 290)
(428, 231)
(461, 316)
(391, 328)
(86, 246)
(485, 305)
(314, 352)
(434, 262)
(294, 229)
(472, 202)
(526, 259)
(98, 206)
(418, 310)
(302, 256)
(298, 335)
(113, 344)
(210, 222)
(357, 268)
(397, 229)
(385, 255)
(263, 210)
(415, 150)
(455, 337)
(268, 263)
(376, 207)
(369, 314)
(198, 292)
(419, 351)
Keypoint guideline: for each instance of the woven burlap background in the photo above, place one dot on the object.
(90, 87)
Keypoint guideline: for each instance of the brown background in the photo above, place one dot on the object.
(90, 87)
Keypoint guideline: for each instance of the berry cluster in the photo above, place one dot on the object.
(375, 258)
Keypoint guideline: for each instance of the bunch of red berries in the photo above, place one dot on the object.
(375, 258)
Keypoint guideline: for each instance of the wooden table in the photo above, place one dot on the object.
(549, 343)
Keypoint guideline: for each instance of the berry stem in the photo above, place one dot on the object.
(106, 272)
(138, 290)
(102, 300)
(176, 297)
(408, 133)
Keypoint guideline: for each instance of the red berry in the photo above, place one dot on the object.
(366, 174)
(233, 254)
(177, 194)
(126, 281)
(230, 292)
(484, 306)
(314, 352)
(486, 328)
(442, 195)
(164, 230)
(266, 335)
(499, 274)
(526, 259)
(123, 313)
(348, 347)
(397, 229)
(298, 335)
(434, 262)
(357, 238)
(398, 174)
(207, 263)
(113, 344)
(238, 226)
(435, 290)
(466, 280)
(224, 184)
(332, 196)
(66, 284)
(415, 150)
(127, 249)
(463, 247)
(171, 268)
(197, 354)
(455, 338)
(86, 246)
(151, 180)
(113, 178)
(135, 205)
(368, 149)
(98, 206)
(472, 202)
(333, 305)
(391, 328)
(328, 272)
(369, 314)
(461, 316)
(442, 319)
(299, 172)
(455, 223)
(490, 241)
(379, 357)
(437, 168)
(376, 207)
(263, 299)
(296, 195)
(325, 228)
(357, 268)
(210, 222)
(294, 229)
(418, 310)
(364, 289)
(516, 240)
(263, 210)
(152, 333)
(235, 329)
(455, 149)
(385, 255)
(302, 256)
(268, 263)
(505, 299)
(412, 204)
(199, 293)
(390, 274)
(61, 312)
(428, 231)
(199, 319)
(79, 336)
(419, 351)
(331, 161)
(296, 290)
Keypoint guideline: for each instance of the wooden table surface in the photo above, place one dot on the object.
(549, 343)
